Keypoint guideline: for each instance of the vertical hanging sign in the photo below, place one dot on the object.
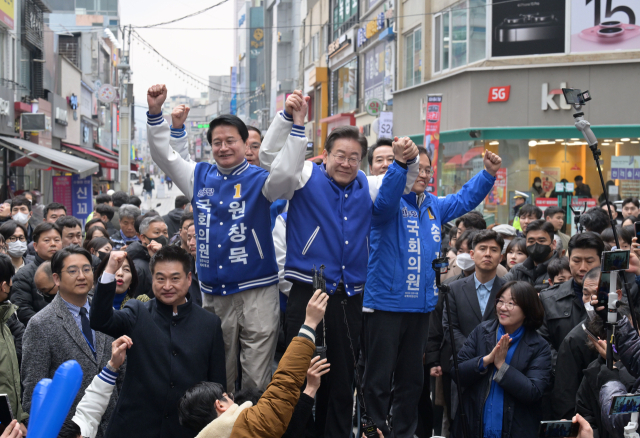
(82, 197)
(432, 137)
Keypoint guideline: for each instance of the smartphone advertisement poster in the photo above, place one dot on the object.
(604, 25)
(528, 28)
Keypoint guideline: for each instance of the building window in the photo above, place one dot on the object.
(413, 58)
(344, 88)
(460, 35)
(345, 15)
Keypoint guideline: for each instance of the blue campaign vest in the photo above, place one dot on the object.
(235, 249)
(329, 225)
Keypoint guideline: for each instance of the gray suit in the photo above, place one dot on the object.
(52, 338)
(465, 309)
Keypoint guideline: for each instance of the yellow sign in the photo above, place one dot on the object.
(372, 28)
(6, 12)
(258, 34)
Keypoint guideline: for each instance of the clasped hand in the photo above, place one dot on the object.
(499, 353)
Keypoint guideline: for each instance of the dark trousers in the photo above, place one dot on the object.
(425, 409)
(334, 400)
(394, 345)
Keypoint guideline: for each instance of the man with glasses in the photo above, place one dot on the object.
(328, 223)
(253, 143)
(231, 202)
(24, 293)
(401, 291)
(62, 331)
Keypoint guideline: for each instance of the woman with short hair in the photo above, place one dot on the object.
(505, 367)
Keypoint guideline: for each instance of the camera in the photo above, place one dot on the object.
(574, 96)
(529, 27)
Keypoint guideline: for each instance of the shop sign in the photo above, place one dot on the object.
(107, 93)
(432, 137)
(625, 167)
(5, 107)
(499, 94)
(548, 100)
(62, 191)
(545, 203)
(373, 27)
(338, 45)
(498, 194)
(374, 107)
(6, 12)
(257, 41)
(385, 124)
(61, 116)
(577, 203)
(81, 197)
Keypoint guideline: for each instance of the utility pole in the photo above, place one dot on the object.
(126, 101)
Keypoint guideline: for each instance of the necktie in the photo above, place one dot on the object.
(86, 327)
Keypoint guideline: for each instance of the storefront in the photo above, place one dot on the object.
(520, 114)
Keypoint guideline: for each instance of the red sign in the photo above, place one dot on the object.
(432, 138)
(546, 202)
(62, 191)
(499, 94)
(578, 203)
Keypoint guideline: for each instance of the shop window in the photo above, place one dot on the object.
(460, 35)
(413, 58)
(344, 88)
(345, 15)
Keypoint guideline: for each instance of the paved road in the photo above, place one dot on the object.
(161, 205)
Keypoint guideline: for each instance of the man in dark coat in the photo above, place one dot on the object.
(194, 289)
(172, 219)
(542, 249)
(176, 344)
(153, 236)
(24, 293)
(564, 306)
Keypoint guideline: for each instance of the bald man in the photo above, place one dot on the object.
(44, 282)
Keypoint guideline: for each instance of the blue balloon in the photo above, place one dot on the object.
(39, 393)
(58, 400)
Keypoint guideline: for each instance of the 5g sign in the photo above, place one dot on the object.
(499, 94)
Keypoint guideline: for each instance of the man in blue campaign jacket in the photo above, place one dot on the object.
(328, 223)
(235, 257)
(401, 291)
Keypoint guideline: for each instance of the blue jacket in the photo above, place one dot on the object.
(524, 381)
(405, 238)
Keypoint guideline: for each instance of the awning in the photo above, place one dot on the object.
(103, 159)
(50, 157)
(135, 167)
(104, 149)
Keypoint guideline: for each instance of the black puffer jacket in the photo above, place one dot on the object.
(534, 275)
(141, 260)
(172, 219)
(24, 293)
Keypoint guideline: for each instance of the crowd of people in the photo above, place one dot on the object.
(323, 274)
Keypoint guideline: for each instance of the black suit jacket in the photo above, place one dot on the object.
(170, 354)
(465, 309)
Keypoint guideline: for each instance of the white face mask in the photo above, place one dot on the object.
(21, 218)
(465, 262)
(17, 249)
(591, 313)
(537, 185)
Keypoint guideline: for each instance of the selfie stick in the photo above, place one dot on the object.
(630, 429)
(585, 127)
(612, 318)
(441, 266)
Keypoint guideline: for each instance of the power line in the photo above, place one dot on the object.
(188, 74)
(149, 26)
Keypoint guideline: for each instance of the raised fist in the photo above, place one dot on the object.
(492, 162)
(179, 115)
(156, 95)
(116, 260)
(297, 106)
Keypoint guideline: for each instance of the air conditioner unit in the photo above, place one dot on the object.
(33, 122)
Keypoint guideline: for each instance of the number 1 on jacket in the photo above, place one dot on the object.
(238, 188)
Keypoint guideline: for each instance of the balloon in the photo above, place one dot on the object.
(39, 394)
(59, 397)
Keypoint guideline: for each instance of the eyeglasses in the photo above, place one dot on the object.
(508, 306)
(74, 271)
(340, 159)
(427, 172)
(230, 143)
(12, 239)
(46, 292)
